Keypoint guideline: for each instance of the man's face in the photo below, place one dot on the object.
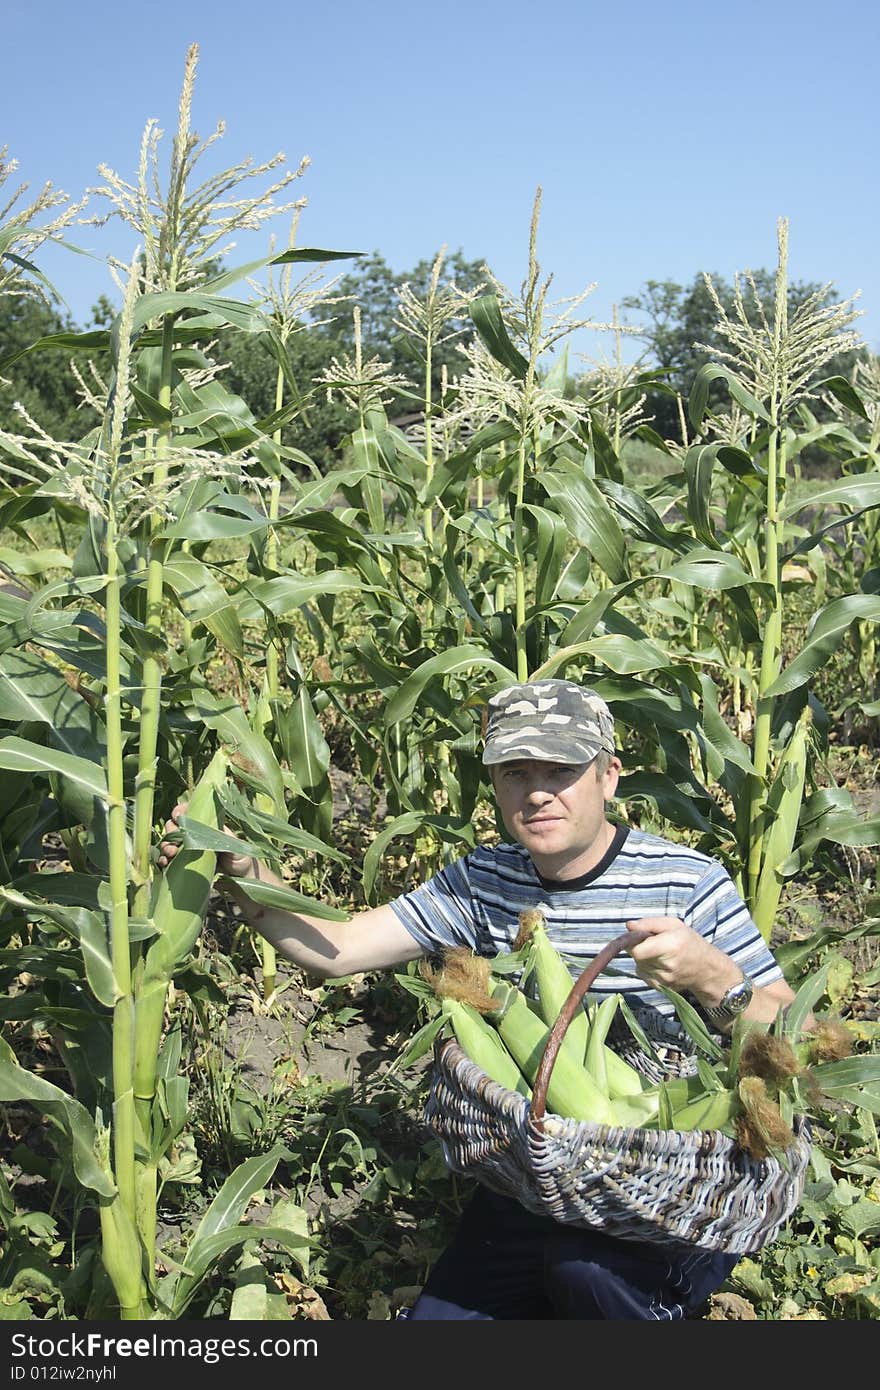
(557, 812)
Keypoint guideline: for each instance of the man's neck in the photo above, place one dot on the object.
(562, 867)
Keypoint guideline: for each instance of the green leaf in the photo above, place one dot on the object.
(367, 459)
(268, 895)
(204, 600)
(823, 639)
(485, 312)
(587, 515)
(215, 310)
(19, 755)
(311, 253)
(718, 733)
(228, 1207)
(211, 1249)
(35, 562)
(624, 655)
(94, 342)
(230, 721)
(89, 928)
(861, 1217)
(695, 1027)
(862, 491)
(679, 807)
(845, 392)
(287, 593)
(854, 1080)
(699, 397)
(641, 517)
(254, 820)
(713, 570)
(452, 831)
(420, 1043)
(305, 747)
(407, 824)
(75, 1122)
(456, 659)
(806, 997)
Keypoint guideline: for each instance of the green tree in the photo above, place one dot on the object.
(41, 382)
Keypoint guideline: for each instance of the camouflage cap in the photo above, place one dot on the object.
(552, 720)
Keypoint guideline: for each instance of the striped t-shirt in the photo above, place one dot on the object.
(476, 902)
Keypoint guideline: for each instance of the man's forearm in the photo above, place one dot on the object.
(373, 939)
(304, 940)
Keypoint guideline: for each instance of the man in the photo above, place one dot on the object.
(550, 749)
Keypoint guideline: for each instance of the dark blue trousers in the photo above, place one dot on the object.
(506, 1262)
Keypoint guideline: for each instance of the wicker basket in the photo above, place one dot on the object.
(697, 1188)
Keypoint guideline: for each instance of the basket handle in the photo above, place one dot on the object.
(567, 1013)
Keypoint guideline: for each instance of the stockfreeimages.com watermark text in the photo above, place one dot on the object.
(32, 1355)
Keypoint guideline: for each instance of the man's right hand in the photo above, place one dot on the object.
(231, 865)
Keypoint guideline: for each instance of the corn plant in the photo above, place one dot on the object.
(769, 370)
(168, 456)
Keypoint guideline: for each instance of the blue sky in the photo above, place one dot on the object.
(667, 138)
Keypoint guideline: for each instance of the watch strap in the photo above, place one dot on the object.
(732, 1003)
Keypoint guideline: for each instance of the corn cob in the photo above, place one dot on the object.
(484, 1047)
(180, 900)
(572, 1091)
(181, 893)
(599, 1023)
(554, 982)
(784, 803)
(713, 1110)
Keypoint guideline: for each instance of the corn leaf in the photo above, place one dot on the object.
(71, 1118)
(694, 1026)
(203, 599)
(823, 639)
(713, 570)
(699, 396)
(588, 516)
(451, 662)
(420, 1043)
(268, 895)
(89, 928)
(20, 755)
(485, 312)
(806, 997)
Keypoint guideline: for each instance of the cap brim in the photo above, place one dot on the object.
(575, 753)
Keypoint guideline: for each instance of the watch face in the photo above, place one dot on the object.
(733, 1002)
(738, 997)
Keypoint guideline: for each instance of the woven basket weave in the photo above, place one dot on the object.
(698, 1188)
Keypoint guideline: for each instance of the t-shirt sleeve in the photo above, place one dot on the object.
(440, 912)
(718, 913)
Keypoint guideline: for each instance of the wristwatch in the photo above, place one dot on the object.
(732, 1003)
